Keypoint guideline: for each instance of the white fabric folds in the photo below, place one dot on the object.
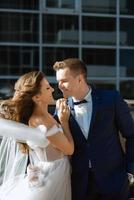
(25, 133)
(12, 161)
(49, 180)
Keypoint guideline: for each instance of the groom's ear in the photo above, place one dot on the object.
(81, 78)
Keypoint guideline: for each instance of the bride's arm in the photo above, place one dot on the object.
(21, 132)
(62, 139)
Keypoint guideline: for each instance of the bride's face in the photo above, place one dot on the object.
(45, 95)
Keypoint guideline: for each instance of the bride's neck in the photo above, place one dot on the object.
(41, 111)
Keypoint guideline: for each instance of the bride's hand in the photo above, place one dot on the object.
(63, 110)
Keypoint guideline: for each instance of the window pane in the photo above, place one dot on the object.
(18, 27)
(103, 84)
(100, 62)
(19, 4)
(127, 7)
(127, 89)
(6, 88)
(60, 3)
(56, 54)
(99, 31)
(60, 29)
(18, 60)
(127, 32)
(127, 63)
(99, 6)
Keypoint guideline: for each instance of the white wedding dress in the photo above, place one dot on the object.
(12, 161)
(48, 177)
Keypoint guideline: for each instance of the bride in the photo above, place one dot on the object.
(48, 145)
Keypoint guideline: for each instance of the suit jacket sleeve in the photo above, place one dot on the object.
(125, 125)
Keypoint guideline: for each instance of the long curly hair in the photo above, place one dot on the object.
(20, 107)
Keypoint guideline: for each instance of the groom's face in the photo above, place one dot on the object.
(67, 81)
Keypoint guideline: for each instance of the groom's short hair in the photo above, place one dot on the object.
(74, 64)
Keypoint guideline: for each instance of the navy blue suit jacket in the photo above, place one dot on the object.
(109, 162)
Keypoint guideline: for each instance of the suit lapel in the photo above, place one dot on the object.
(95, 103)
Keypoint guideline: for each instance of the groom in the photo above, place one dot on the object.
(100, 168)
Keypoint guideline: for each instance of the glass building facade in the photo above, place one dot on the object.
(36, 33)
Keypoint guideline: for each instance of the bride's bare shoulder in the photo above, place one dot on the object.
(47, 121)
(35, 121)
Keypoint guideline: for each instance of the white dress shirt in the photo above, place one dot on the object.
(83, 113)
